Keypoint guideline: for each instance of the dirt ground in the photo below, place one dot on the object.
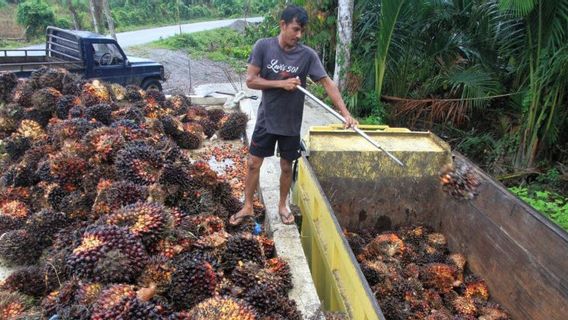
(184, 74)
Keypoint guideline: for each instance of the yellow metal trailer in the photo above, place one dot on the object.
(344, 183)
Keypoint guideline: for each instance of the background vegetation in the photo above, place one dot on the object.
(488, 76)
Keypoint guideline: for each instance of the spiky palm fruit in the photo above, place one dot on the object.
(180, 104)
(32, 281)
(46, 99)
(193, 281)
(155, 96)
(64, 104)
(202, 225)
(67, 169)
(66, 302)
(196, 113)
(18, 175)
(224, 192)
(139, 162)
(36, 75)
(130, 113)
(242, 247)
(158, 272)
(108, 254)
(22, 94)
(13, 214)
(16, 145)
(8, 82)
(438, 241)
(222, 308)
(463, 305)
(118, 92)
(234, 127)
(43, 225)
(493, 312)
(178, 215)
(130, 130)
(74, 87)
(215, 115)
(209, 127)
(188, 140)
(459, 261)
(101, 112)
(115, 195)
(19, 247)
(134, 93)
(70, 130)
(267, 247)
(10, 116)
(13, 305)
(31, 129)
(172, 126)
(281, 270)
(476, 288)
(104, 143)
(194, 127)
(95, 93)
(374, 271)
(120, 302)
(438, 275)
(149, 221)
(386, 244)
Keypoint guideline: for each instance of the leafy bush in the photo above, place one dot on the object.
(36, 15)
(549, 203)
(3, 3)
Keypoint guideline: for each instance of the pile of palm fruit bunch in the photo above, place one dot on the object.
(460, 180)
(414, 276)
(107, 210)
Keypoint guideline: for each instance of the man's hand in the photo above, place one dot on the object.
(290, 84)
(350, 122)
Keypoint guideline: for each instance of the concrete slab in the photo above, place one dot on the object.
(286, 237)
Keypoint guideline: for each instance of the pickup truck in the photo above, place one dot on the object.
(88, 54)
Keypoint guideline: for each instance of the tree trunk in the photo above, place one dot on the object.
(110, 22)
(93, 11)
(343, 47)
(74, 16)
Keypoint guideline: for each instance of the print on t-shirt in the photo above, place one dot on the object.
(283, 70)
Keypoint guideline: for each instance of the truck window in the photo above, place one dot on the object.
(107, 54)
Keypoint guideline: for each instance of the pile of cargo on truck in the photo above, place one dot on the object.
(114, 204)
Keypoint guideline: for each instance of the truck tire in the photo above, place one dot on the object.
(151, 84)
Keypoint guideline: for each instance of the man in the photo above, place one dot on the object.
(276, 66)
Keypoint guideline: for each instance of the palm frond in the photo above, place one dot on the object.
(519, 7)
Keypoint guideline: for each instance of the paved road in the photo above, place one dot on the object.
(138, 37)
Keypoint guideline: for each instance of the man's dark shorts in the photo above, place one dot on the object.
(262, 144)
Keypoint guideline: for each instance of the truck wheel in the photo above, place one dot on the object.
(152, 84)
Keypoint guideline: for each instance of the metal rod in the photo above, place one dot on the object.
(340, 117)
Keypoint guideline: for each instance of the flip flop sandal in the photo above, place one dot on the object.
(286, 217)
(238, 220)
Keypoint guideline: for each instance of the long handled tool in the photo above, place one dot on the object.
(340, 117)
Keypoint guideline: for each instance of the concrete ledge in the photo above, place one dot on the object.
(286, 237)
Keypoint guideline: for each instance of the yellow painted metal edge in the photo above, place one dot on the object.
(335, 271)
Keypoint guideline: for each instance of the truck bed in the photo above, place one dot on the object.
(521, 254)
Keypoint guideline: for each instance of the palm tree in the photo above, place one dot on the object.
(536, 36)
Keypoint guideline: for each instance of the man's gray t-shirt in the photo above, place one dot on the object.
(281, 111)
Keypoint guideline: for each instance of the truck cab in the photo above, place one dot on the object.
(86, 53)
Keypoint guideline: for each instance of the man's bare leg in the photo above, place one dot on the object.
(251, 182)
(285, 184)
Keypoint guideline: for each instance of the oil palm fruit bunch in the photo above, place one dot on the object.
(108, 254)
(8, 82)
(234, 127)
(114, 195)
(226, 308)
(139, 162)
(149, 221)
(241, 248)
(193, 281)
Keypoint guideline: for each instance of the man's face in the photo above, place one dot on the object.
(291, 32)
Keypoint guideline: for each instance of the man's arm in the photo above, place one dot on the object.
(255, 81)
(335, 95)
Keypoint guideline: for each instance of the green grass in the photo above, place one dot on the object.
(222, 44)
(549, 203)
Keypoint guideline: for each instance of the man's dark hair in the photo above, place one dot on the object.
(295, 12)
